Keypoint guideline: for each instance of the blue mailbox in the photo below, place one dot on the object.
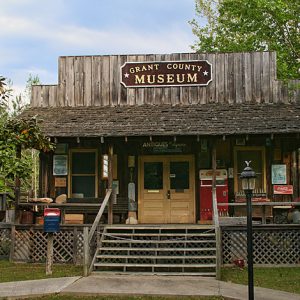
(51, 219)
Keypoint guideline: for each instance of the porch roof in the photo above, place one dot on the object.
(162, 120)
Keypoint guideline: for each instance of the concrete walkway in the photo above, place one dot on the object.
(137, 285)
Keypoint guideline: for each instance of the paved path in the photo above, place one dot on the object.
(137, 285)
(35, 287)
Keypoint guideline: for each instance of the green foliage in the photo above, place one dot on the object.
(17, 133)
(252, 25)
(25, 133)
(4, 92)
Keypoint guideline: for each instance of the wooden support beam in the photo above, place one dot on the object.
(214, 184)
(215, 212)
(110, 182)
(17, 188)
(49, 259)
(86, 248)
(294, 175)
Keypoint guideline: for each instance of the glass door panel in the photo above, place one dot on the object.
(153, 175)
(179, 175)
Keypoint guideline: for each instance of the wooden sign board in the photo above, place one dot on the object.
(60, 182)
(166, 73)
(283, 189)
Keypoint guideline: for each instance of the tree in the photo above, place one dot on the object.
(251, 25)
(17, 133)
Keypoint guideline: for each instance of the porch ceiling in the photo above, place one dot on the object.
(162, 120)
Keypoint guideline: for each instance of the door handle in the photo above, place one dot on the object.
(168, 194)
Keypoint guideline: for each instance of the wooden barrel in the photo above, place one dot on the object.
(26, 217)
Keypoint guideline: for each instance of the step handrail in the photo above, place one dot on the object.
(99, 215)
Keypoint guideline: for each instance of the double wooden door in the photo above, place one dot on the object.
(166, 189)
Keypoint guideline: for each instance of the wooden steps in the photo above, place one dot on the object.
(158, 249)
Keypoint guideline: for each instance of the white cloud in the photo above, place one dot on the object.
(86, 39)
(33, 33)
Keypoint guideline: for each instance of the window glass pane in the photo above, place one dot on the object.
(84, 185)
(179, 175)
(153, 175)
(83, 162)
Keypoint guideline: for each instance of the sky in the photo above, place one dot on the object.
(34, 33)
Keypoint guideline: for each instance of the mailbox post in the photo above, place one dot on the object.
(51, 225)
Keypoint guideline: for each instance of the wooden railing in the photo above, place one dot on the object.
(88, 235)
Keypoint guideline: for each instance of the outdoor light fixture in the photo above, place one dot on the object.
(248, 184)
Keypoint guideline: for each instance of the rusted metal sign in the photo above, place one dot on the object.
(167, 73)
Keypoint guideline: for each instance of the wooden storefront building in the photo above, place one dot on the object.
(157, 135)
(164, 119)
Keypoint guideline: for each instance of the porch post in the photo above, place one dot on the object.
(214, 185)
(294, 175)
(110, 182)
(17, 188)
(215, 212)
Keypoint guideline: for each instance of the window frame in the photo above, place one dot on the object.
(71, 151)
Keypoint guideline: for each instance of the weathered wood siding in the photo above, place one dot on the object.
(95, 81)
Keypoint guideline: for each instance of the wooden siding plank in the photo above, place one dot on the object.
(257, 74)
(70, 81)
(61, 93)
(239, 78)
(273, 84)
(96, 80)
(248, 76)
(105, 82)
(266, 78)
(45, 96)
(114, 74)
(52, 95)
(35, 100)
(87, 85)
(220, 83)
(229, 78)
(78, 81)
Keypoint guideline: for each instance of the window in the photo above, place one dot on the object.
(257, 157)
(153, 175)
(179, 175)
(83, 177)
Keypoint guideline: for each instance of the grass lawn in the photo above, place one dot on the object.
(284, 279)
(22, 271)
